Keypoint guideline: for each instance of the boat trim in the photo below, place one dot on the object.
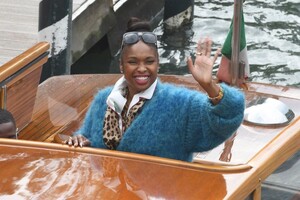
(126, 155)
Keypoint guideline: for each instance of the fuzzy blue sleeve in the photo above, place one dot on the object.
(93, 122)
(215, 123)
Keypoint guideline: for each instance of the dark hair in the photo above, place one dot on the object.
(6, 116)
(136, 24)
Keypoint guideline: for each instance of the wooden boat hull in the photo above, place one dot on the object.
(48, 173)
(35, 167)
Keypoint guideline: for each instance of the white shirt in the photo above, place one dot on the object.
(117, 101)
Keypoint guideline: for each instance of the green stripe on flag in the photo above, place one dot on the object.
(227, 48)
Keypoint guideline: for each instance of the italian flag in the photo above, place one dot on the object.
(223, 73)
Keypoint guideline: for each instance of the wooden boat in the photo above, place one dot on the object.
(38, 166)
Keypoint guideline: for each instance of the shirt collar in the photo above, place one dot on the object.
(117, 101)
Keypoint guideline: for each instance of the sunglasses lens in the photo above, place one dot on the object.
(149, 38)
(134, 37)
(131, 38)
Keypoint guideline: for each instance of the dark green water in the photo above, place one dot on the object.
(272, 34)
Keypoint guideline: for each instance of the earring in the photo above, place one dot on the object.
(121, 71)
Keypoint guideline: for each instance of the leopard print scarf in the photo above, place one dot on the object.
(111, 129)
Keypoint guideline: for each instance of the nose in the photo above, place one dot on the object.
(142, 68)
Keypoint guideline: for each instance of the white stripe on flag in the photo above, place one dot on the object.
(244, 58)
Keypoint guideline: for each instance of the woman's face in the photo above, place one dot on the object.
(139, 64)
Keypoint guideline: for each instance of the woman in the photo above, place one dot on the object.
(142, 115)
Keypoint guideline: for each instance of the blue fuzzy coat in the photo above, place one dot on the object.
(175, 123)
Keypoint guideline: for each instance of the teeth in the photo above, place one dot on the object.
(142, 77)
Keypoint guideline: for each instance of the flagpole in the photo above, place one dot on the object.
(234, 69)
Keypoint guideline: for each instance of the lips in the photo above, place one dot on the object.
(142, 80)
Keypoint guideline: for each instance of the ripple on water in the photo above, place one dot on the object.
(272, 33)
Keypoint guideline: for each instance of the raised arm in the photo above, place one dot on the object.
(201, 69)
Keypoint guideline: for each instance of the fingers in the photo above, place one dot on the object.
(217, 54)
(69, 141)
(208, 46)
(204, 47)
(190, 64)
(77, 140)
(199, 45)
(81, 142)
(86, 143)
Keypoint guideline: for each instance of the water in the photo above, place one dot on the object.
(272, 34)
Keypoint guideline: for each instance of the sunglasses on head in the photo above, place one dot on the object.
(133, 37)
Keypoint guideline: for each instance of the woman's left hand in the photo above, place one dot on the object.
(77, 140)
(202, 68)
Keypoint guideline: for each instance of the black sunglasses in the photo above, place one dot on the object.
(134, 37)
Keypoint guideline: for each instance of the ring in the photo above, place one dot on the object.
(199, 53)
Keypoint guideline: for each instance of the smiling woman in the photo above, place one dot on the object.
(139, 63)
(142, 115)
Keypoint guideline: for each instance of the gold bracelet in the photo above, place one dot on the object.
(219, 97)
